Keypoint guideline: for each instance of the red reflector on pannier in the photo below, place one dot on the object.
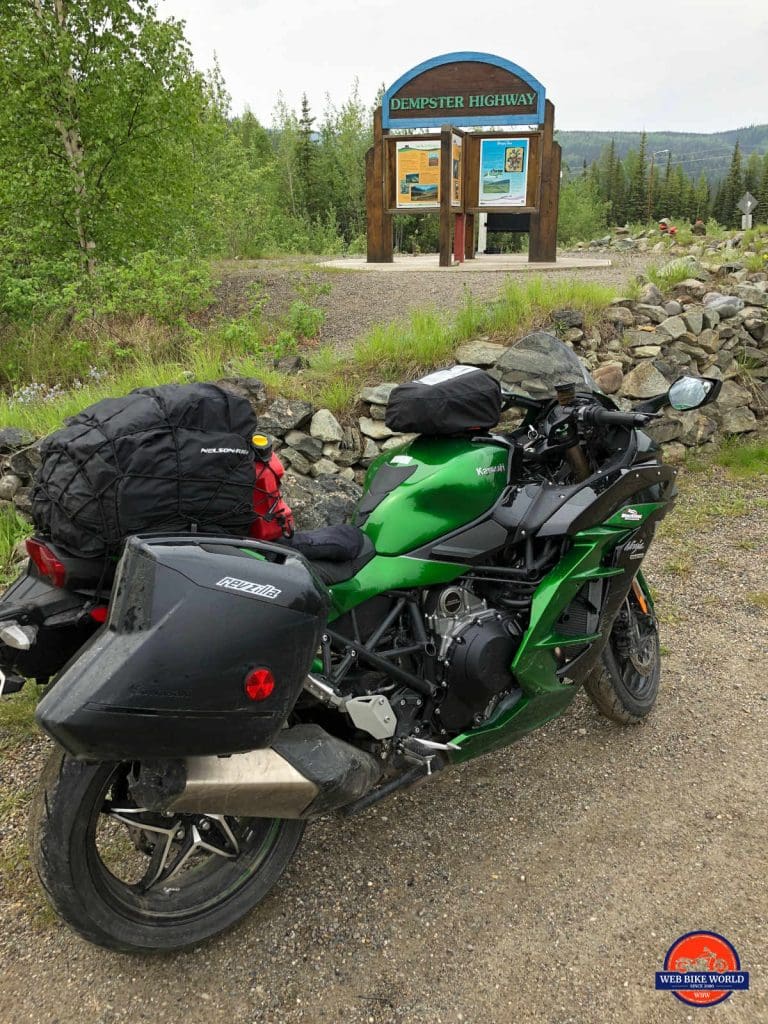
(259, 684)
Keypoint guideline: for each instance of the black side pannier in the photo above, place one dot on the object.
(166, 459)
(447, 402)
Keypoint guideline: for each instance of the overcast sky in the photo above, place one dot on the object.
(682, 65)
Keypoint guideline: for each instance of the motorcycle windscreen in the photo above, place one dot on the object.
(205, 651)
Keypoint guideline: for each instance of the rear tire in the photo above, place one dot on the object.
(624, 684)
(203, 898)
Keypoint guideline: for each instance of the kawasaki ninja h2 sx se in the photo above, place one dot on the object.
(238, 690)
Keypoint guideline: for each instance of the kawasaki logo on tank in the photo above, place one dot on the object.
(487, 470)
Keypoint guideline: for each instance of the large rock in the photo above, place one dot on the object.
(694, 320)
(619, 316)
(644, 381)
(13, 438)
(726, 305)
(379, 394)
(374, 429)
(397, 441)
(670, 428)
(10, 484)
(327, 500)
(324, 467)
(691, 288)
(26, 462)
(609, 377)
(325, 426)
(697, 427)
(650, 295)
(709, 340)
(738, 421)
(22, 501)
(565, 318)
(479, 353)
(732, 396)
(351, 447)
(655, 313)
(285, 414)
(634, 338)
(250, 388)
(752, 295)
(673, 327)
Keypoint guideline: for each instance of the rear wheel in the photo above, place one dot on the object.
(625, 682)
(138, 881)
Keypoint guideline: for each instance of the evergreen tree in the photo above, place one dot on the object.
(752, 173)
(306, 159)
(762, 194)
(618, 194)
(733, 190)
(701, 198)
(637, 195)
(666, 198)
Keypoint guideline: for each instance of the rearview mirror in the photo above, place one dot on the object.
(693, 392)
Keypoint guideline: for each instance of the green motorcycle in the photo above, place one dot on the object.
(239, 689)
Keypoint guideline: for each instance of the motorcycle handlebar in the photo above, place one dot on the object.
(595, 415)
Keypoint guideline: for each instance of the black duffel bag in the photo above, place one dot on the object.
(166, 459)
(459, 400)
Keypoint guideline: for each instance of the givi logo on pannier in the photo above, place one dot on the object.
(247, 587)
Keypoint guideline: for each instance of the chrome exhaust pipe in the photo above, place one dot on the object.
(306, 772)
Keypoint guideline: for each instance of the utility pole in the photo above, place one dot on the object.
(658, 152)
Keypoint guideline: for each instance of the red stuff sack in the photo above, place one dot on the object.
(274, 519)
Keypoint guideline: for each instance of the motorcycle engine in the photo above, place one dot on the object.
(475, 646)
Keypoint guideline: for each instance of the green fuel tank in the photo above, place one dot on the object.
(432, 486)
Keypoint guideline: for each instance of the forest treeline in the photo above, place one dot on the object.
(113, 145)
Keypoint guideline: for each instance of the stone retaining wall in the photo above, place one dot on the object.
(714, 323)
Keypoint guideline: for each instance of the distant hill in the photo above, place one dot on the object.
(696, 152)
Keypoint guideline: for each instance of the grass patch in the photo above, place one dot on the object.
(17, 716)
(668, 276)
(759, 599)
(394, 351)
(12, 529)
(744, 459)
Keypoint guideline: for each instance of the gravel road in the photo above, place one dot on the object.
(359, 299)
(540, 884)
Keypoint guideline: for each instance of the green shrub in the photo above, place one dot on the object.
(166, 288)
(582, 214)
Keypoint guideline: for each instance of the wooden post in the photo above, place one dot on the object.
(378, 220)
(446, 155)
(542, 246)
(459, 238)
(469, 241)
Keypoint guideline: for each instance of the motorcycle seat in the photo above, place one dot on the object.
(336, 553)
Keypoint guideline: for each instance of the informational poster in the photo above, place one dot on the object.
(503, 172)
(456, 165)
(418, 174)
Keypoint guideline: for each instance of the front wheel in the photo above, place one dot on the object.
(137, 881)
(624, 684)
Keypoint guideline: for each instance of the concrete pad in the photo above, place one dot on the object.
(501, 263)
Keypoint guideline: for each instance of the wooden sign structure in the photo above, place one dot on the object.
(456, 173)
